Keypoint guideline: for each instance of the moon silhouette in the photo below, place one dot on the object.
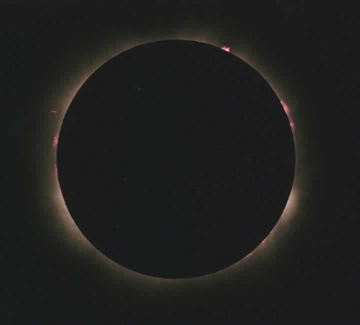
(176, 159)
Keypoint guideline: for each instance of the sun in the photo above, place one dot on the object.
(72, 236)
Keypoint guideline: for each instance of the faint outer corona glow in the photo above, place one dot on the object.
(77, 241)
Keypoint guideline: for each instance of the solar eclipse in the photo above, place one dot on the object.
(169, 158)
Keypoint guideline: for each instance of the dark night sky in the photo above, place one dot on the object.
(312, 52)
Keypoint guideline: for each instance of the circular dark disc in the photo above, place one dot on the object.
(175, 159)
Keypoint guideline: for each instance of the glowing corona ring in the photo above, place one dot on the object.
(74, 239)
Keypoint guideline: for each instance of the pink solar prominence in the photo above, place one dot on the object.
(287, 111)
(225, 48)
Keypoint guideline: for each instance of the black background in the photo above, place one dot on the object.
(318, 48)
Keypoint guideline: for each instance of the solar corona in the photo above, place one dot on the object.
(124, 264)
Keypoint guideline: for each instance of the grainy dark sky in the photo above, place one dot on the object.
(44, 48)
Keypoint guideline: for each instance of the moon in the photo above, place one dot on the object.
(176, 159)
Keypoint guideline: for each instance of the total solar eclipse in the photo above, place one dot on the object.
(176, 159)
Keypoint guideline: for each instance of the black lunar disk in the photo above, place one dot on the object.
(176, 159)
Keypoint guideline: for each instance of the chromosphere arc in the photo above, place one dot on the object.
(175, 159)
